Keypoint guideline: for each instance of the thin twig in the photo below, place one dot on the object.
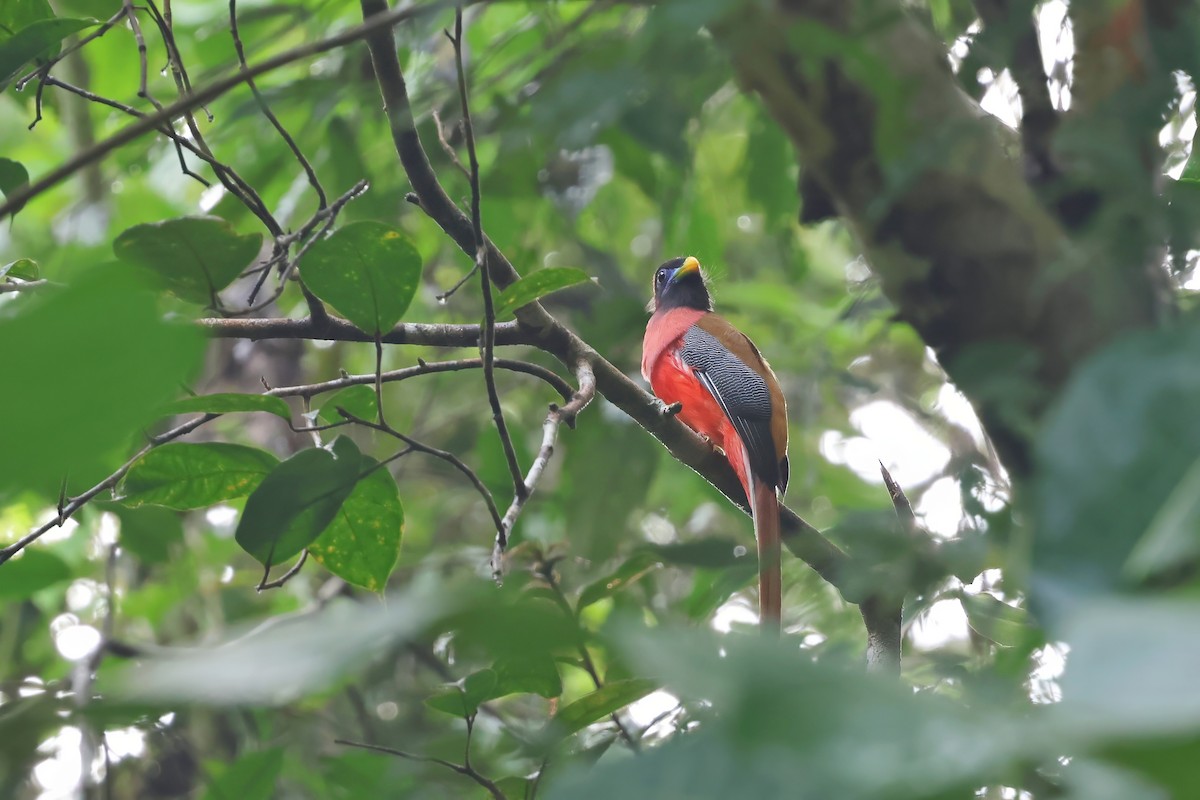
(468, 771)
(144, 92)
(265, 584)
(231, 180)
(555, 418)
(446, 146)
(322, 200)
(487, 345)
(325, 217)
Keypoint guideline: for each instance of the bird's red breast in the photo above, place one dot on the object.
(673, 379)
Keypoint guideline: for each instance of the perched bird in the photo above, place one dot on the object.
(729, 395)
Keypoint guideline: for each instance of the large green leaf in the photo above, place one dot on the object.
(297, 500)
(95, 361)
(227, 403)
(185, 476)
(527, 675)
(35, 569)
(362, 543)
(1117, 464)
(18, 14)
(193, 257)
(368, 271)
(535, 285)
(39, 39)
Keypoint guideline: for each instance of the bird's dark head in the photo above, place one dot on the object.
(679, 283)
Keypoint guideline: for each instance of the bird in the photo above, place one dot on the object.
(728, 394)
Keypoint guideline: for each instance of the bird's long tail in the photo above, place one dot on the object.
(764, 507)
(766, 532)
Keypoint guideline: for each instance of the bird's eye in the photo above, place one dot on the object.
(660, 277)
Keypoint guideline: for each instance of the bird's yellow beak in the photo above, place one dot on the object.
(690, 265)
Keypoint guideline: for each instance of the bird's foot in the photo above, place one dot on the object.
(669, 410)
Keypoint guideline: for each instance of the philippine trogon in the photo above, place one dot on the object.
(729, 395)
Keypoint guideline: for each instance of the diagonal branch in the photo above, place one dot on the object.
(547, 333)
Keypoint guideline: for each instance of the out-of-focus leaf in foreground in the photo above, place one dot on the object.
(95, 362)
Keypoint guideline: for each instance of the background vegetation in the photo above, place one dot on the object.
(234, 337)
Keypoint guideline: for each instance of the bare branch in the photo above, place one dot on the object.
(334, 329)
(557, 416)
(265, 584)
(311, 174)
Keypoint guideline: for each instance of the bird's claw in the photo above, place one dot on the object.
(669, 410)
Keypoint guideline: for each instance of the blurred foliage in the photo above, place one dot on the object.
(618, 658)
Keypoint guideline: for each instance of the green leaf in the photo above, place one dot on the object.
(297, 500)
(368, 271)
(449, 700)
(33, 570)
(226, 403)
(362, 544)
(613, 696)
(24, 268)
(1117, 464)
(996, 620)
(17, 14)
(95, 361)
(1132, 668)
(186, 476)
(535, 285)
(526, 675)
(359, 400)
(13, 175)
(192, 257)
(254, 776)
(39, 39)
(464, 700)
